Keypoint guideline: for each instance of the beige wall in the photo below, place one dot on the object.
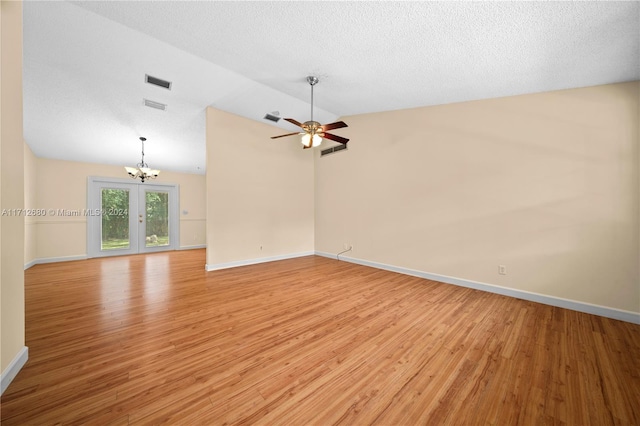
(259, 191)
(63, 185)
(545, 184)
(11, 185)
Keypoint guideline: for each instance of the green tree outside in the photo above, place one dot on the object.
(115, 217)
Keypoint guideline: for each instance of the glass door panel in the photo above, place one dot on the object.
(112, 226)
(157, 219)
(115, 229)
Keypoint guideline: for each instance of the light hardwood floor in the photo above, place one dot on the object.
(154, 339)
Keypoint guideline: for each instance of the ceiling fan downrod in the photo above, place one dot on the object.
(312, 80)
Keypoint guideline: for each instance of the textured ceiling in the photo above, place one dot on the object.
(84, 64)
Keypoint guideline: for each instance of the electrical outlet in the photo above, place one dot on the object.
(502, 269)
(347, 246)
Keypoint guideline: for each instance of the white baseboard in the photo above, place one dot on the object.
(30, 264)
(200, 246)
(14, 368)
(603, 311)
(246, 262)
(53, 260)
(83, 257)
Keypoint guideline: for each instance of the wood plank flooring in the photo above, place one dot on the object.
(154, 339)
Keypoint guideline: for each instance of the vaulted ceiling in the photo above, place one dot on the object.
(85, 64)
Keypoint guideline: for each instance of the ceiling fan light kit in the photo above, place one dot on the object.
(315, 132)
(142, 169)
(314, 140)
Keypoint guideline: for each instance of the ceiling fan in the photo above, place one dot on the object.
(314, 132)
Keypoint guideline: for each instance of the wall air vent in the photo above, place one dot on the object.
(272, 117)
(154, 104)
(333, 149)
(157, 82)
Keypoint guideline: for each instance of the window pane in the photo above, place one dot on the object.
(157, 221)
(115, 219)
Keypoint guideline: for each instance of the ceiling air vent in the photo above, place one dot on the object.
(333, 149)
(157, 81)
(154, 104)
(273, 116)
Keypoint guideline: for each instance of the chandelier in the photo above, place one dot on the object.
(142, 169)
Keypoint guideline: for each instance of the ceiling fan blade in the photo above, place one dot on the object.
(292, 121)
(282, 136)
(335, 138)
(336, 125)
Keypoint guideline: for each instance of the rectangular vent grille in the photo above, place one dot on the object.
(157, 81)
(272, 117)
(154, 104)
(333, 149)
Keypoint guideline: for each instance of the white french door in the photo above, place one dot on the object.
(125, 217)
